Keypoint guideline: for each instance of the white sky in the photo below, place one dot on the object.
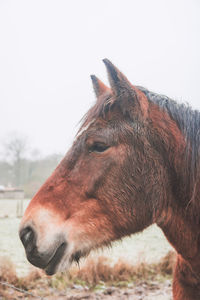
(48, 49)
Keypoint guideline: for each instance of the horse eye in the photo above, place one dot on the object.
(98, 147)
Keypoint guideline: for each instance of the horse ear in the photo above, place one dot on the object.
(125, 91)
(99, 87)
(117, 80)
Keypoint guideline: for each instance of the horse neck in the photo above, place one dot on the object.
(180, 215)
(177, 139)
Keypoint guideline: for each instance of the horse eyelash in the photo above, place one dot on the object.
(98, 147)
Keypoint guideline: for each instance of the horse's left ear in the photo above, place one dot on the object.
(124, 91)
(99, 87)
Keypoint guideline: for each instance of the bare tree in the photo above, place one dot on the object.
(15, 152)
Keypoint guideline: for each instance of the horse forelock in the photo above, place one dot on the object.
(98, 110)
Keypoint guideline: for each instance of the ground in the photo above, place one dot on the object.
(142, 291)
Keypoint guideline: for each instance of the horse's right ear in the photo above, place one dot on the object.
(99, 87)
(124, 92)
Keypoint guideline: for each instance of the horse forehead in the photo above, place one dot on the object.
(94, 126)
(84, 128)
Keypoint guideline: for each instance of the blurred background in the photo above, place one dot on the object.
(48, 49)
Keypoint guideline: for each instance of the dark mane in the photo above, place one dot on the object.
(187, 119)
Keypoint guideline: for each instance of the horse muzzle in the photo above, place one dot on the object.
(47, 257)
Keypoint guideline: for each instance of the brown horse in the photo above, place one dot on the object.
(134, 162)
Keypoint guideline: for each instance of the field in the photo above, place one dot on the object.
(148, 247)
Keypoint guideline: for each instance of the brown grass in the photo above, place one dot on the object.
(8, 275)
(93, 272)
(98, 270)
(7, 270)
(167, 263)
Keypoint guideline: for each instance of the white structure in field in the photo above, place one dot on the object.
(11, 193)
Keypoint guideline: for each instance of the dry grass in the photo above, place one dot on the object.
(8, 275)
(95, 271)
(91, 274)
(167, 263)
(7, 270)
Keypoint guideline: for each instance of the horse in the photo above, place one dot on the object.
(134, 162)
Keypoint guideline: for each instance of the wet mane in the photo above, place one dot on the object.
(187, 119)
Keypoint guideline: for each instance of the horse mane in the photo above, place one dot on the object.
(188, 121)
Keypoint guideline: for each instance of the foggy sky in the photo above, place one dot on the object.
(48, 49)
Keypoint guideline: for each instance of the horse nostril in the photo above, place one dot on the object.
(27, 236)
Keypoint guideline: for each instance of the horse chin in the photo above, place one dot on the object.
(63, 263)
(55, 261)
